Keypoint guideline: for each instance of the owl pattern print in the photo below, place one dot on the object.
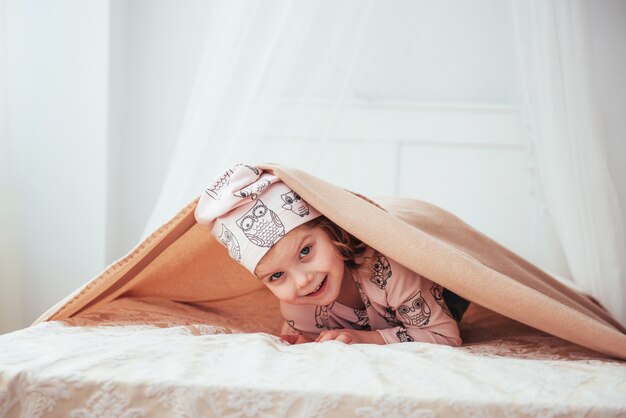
(230, 241)
(253, 190)
(321, 317)
(261, 225)
(437, 292)
(294, 203)
(418, 313)
(403, 336)
(382, 272)
(362, 321)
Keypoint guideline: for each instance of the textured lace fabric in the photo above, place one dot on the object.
(123, 361)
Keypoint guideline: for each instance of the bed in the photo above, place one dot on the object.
(168, 331)
(141, 357)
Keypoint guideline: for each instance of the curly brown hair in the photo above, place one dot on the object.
(349, 246)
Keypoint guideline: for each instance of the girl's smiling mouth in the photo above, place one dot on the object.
(319, 288)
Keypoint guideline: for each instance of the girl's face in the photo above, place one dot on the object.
(303, 268)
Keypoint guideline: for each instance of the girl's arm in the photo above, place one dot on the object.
(416, 310)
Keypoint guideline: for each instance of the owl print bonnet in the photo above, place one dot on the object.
(251, 210)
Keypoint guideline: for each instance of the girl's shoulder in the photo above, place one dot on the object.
(374, 262)
(381, 273)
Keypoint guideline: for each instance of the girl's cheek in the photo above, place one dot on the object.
(288, 294)
(275, 291)
(282, 294)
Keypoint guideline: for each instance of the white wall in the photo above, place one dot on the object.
(97, 94)
(11, 315)
(57, 78)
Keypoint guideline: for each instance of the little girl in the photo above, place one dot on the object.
(331, 286)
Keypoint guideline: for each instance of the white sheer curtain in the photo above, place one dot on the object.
(569, 146)
(279, 72)
(262, 57)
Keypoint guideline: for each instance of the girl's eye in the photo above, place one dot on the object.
(305, 251)
(276, 276)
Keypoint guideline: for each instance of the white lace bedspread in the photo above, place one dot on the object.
(55, 370)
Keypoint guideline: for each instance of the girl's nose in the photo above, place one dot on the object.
(303, 280)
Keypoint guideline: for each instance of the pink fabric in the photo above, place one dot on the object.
(399, 303)
(250, 211)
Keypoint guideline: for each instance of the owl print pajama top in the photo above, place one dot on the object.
(399, 304)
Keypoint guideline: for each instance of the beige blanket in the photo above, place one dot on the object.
(150, 357)
(182, 262)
